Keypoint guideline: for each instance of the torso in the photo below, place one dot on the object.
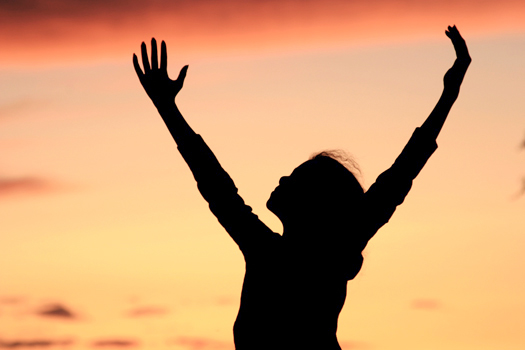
(288, 301)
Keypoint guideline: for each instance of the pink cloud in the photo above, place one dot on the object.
(521, 192)
(25, 185)
(35, 343)
(354, 345)
(226, 301)
(56, 311)
(35, 31)
(426, 304)
(114, 343)
(11, 300)
(147, 311)
(20, 105)
(201, 343)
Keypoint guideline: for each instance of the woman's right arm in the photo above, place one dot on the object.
(213, 182)
(162, 90)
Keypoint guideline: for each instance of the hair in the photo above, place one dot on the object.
(338, 238)
(320, 192)
(343, 158)
(341, 179)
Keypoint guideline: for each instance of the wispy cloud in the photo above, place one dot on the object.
(147, 311)
(426, 304)
(226, 300)
(202, 343)
(15, 107)
(35, 343)
(521, 192)
(354, 345)
(26, 185)
(56, 311)
(114, 343)
(11, 300)
(78, 29)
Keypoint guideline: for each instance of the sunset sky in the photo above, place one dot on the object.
(105, 241)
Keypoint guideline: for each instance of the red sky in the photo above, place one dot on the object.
(33, 31)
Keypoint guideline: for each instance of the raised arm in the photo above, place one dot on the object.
(392, 186)
(213, 182)
(452, 82)
(162, 90)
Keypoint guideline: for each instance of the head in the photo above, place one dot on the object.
(321, 191)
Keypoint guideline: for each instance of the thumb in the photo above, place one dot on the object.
(182, 74)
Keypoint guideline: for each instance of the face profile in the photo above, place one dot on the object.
(289, 194)
(322, 185)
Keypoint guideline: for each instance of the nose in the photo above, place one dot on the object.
(283, 180)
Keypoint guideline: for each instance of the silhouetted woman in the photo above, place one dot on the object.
(295, 283)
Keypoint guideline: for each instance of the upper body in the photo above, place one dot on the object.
(295, 284)
(293, 291)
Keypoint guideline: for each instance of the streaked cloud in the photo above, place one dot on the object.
(521, 192)
(354, 345)
(35, 343)
(114, 343)
(227, 301)
(14, 107)
(202, 343)
(26, 185)
(56, 311)
(147, 311)
(11, 300)
(426, 304)
(74, 29)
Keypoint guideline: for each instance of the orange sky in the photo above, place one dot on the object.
(105, 241)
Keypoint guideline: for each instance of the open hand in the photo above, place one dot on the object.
(159, 87)
(459, 44)
(455, 75)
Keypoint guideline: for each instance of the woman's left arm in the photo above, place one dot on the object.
(452, 82)
(393, 185)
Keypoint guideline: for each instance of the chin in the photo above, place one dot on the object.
(271, 204)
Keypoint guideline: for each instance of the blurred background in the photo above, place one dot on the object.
(105, 241)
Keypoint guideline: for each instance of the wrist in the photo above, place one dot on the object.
(449, 96)
(451, 91)
(165, 106)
